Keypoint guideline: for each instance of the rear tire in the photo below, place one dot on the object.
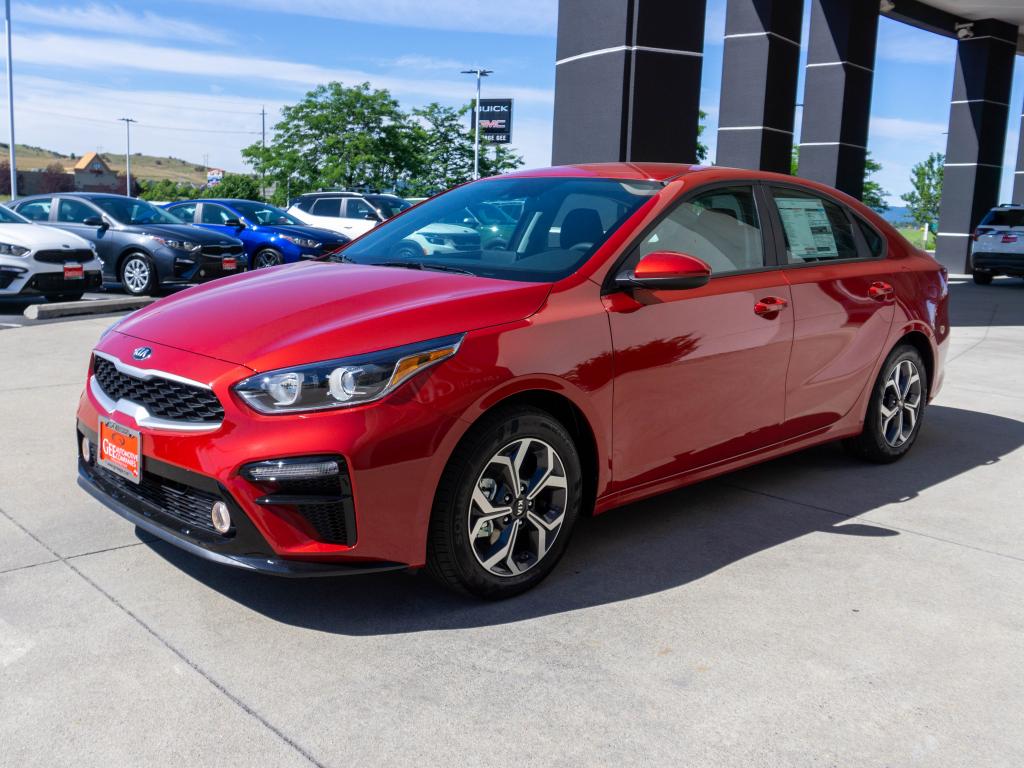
(982, 278)
(488, 538)
(898, 402)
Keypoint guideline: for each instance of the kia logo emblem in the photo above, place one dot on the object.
(142, 353)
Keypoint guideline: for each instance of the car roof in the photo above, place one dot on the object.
(330, 193)
(630, 171)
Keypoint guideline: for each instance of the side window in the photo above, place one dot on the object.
(875, 242)
(720, 227)
(327, 206)
(186, 212)
(73, 211)
(356, 208)
(815, 229)
(36, 210)
(215, 214)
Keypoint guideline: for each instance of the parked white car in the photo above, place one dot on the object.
(36, 259)
(344, 212)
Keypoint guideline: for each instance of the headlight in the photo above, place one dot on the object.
(302, 242)
(341, 383)
(436, 240)
(178, 245)
(9, 249)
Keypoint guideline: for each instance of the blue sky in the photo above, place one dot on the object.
(195, 73)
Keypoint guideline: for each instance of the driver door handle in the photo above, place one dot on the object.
(880, 291)
(770, 306)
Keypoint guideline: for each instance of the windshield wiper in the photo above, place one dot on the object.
(422, 265)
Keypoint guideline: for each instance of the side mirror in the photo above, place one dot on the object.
(236, 223)
(95, 221)
(666, 271)
(371, 216)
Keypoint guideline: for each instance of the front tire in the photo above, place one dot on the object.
(898, 401)
(138, 275)
(267, 257)
(982, 278)
(490, 536)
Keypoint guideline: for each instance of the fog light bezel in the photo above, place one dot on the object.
(220, 517)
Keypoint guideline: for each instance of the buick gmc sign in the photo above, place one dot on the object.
(496, 120)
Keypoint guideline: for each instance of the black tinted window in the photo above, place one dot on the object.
(720, 227)
(815, 229)
(1004, 217)
(36, 210)
(186, 212)
(875, 243)
(327, 206)
(74, 211)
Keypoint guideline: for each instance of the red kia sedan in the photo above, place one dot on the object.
(425, 401)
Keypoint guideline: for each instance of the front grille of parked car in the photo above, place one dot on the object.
(221, 250)
(187, 505)
(466, 242)
(324, 503)
(163, 398)
(79, 255)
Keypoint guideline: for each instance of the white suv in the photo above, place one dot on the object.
(344, 212)
(35, 259)
(998, 247)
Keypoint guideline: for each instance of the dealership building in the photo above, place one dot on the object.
(628, 76)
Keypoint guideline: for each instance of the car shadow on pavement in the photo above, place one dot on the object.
(648, 547)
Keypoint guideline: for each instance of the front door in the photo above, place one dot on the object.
(700, 374)
(843, 305)
(71, 215)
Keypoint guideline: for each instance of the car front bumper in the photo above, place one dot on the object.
(175, 266)
(29, 277)
(392, 453)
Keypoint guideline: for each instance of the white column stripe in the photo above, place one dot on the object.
(970, 165)
(974, 101)
(840, 63)
(763, 34)
(753, 128)
(953, 234)
(830, 144)
(618, 48)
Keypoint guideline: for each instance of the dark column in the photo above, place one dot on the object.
(837, 92)
(627, 81)
(759, 74)
(977, 137)
(1018, 176)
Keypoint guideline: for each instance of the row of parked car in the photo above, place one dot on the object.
(61, 245)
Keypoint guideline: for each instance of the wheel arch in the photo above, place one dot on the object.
(920, 341)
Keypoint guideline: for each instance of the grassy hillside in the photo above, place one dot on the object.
(143, 166)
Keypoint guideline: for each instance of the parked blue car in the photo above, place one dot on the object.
(270, 236)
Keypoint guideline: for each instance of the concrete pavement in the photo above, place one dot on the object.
(809, 611)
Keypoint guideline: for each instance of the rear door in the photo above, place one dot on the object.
(700, 374)
(184, 211)
(325, 212)
(843, 303)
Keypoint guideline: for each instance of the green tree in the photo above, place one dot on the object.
(235, 185)
(165, 190)
(874, 195)
(923, 199)
(702, 148)
(337, 136)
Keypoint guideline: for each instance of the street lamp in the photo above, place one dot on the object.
(128, 154)
(480, 73)
(10, 96)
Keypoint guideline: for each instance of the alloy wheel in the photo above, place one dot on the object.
(901, 403)
(266, 259)
(136, 274)
(517, 508)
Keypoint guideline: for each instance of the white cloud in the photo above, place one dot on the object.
(521, 17)
(923, 134)
(113, 19)
(79, 53)
(418, 62)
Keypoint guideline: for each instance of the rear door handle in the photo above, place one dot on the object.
(770, 306)
(880, 291)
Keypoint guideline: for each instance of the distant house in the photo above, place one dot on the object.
(92, 174)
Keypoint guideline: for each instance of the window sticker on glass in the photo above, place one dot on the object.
(808, 229)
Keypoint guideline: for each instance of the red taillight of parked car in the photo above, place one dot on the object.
(1009, 238)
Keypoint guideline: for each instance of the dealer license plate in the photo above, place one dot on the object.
(230, 263)
(120, 450)
(74, 272)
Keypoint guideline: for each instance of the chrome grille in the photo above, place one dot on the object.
(163, 398)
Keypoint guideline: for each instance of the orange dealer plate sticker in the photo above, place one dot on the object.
(120, 450)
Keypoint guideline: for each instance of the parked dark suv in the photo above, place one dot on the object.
(142, 246)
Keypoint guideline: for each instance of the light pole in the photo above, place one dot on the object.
(10, 96)
(480, 73)
(128, 154)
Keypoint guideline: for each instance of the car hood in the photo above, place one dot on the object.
(313, 311)
(437, 228)
(39, 237)
(183, 232)
(316, 233)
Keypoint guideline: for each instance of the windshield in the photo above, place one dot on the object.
(388, 206)
(260, 213)
(550, 227)
(127, 210)
(8, 216)
(1005, 217)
